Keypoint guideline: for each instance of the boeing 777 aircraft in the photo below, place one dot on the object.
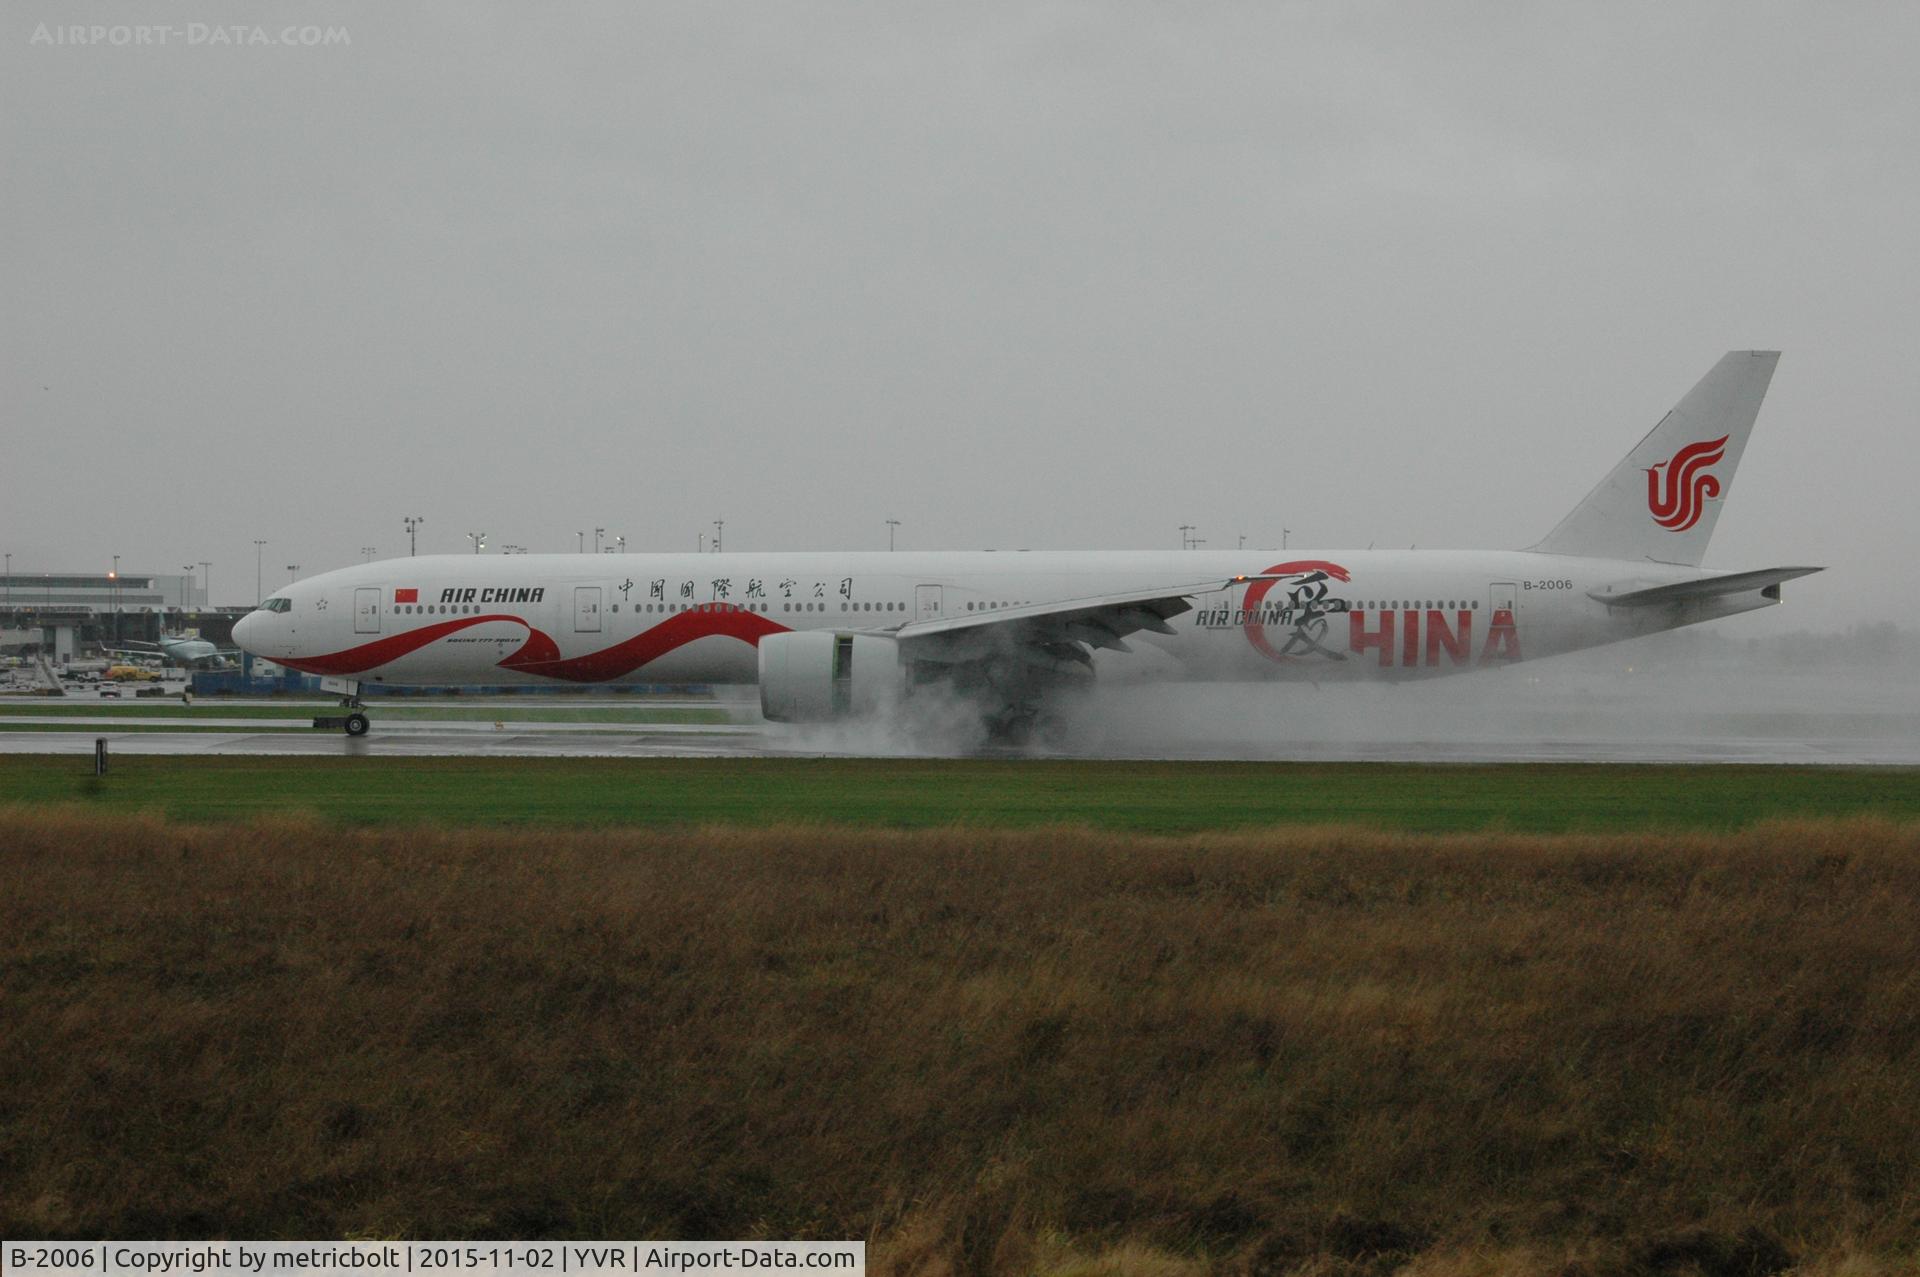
(828, 635)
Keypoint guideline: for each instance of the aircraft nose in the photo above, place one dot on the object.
(242, 628)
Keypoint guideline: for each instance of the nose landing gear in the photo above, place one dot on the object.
(354, 722)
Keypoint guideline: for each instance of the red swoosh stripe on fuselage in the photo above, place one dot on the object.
(541, 655)
(623, 658)
(356, 660)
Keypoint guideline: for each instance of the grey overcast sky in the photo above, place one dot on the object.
(1051, 275)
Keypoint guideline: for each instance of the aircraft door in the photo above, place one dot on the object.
(1500, 598)
(366, 610)
(926, 602)
(586, 609)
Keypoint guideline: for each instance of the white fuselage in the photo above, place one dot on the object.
(582, 618)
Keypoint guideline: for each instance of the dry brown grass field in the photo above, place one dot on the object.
(1051, 1050)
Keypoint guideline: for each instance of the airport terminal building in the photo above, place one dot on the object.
(102, 592)
(63, 613)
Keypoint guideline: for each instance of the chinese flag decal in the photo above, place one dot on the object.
(406, 596)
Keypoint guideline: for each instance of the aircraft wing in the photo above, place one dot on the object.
(1053, 633)
(1706, 587)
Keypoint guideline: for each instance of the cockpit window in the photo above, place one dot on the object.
(277, 605)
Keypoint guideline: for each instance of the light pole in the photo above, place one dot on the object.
(891, 525)
(719, 526)
(186, 586)
(293, 573)
(597, 534)
(114, 578)
(206, 581)
(479, 540)
(9, 580)
(622, 543)
(581, 545)
(1284, 534)
(367, 552)
(1186, 536)
(413, 522)
(259, 595)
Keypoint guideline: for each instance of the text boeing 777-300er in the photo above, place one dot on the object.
(828, 635)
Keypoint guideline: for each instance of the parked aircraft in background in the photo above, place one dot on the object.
(178, 649)
(828, 635)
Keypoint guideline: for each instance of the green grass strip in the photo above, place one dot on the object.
(1167, 797)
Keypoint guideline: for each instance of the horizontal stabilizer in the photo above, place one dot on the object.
(1706, 587)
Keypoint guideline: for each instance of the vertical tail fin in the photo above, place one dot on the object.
(1662, 501)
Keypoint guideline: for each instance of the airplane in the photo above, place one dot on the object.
(177, 649)
(829, 635)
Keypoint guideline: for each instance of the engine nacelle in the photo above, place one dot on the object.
(809, 677)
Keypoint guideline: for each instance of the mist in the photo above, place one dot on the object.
(1703, 695)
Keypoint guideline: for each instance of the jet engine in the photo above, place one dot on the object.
(819, 675)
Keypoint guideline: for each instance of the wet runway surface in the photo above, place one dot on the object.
(710, 742)
(413, 739)
(1819, 716)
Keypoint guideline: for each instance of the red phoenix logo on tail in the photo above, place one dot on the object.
(1688, 487)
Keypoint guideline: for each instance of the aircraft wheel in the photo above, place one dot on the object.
(1012, 727)
(357, 724)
